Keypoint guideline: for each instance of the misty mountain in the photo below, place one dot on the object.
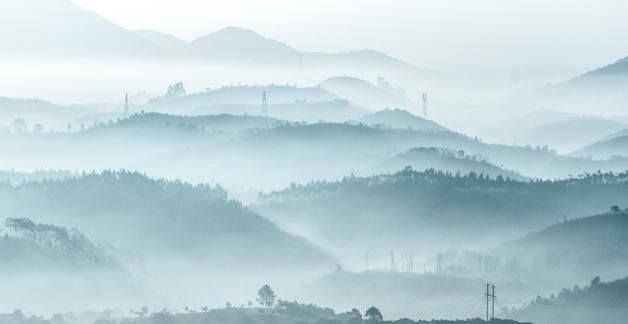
(621, 133)
(431, 295)
(29, 246)
(36, 111)
(63, 30)
(615, 145)
(397, 118)
(196, 152)
(567, 136)
(603, 302)
(158, 217)
(41, 260)
(602, 88)
(155, 122)
(239, 95)
(617, 70)
(233, 44)
(162, 40)
(421, 209)
(423, 158)
(368, 95)
(60, 29)
(508, 129)
(575, 250)
(337, 110)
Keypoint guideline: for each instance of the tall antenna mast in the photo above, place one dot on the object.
(424, 98)
(126, 105)
(264, 105)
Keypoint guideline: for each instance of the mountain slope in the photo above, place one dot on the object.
(248, 95)
(36, 111)
(599, 302)
(337, 110)
(162, 40)
(157, 217)
(43, 247)
(64, 30)
(397, 118)
(574, 250)
(614, 146)
(422, 209)
(366, 94)
(602, 88)
(423, 158)
(238, 44)
(61, 29)
(567, 136)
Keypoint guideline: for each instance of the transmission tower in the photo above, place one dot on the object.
(424, 99)
(126, 105)
(490, 300)
(264, 105)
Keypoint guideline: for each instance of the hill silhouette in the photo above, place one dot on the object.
(603, 302)
(397, 118)
(423, 209)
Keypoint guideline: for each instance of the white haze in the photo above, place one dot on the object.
(353, 190)
(512, 39)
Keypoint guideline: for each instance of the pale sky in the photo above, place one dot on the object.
(521, 35)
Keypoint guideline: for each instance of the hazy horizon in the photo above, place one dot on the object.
(508, 39)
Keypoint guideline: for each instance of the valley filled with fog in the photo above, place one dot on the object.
(237, 179)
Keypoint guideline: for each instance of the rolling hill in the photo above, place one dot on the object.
(598, 302)
(239, 95)
(602, 88)
(242, 45)
(574, 250)
(567, 136)
(337, 110)
(614, 146)
(155, 122)
(157, 217)
(423, 158)
(36, 111)
(366, 94)
(397, 118)
(401, 294)
(427, 209)
(32, 247)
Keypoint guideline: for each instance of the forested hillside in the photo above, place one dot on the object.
(576, 249)
(446, 160)
(158, 217)
(28, 246)
(599, 302)
(422, 209)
